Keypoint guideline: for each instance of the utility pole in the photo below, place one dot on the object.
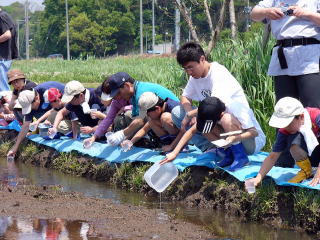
(67, 29)
(26, 15)
(141, 26)
(177, 29)
(153, 27)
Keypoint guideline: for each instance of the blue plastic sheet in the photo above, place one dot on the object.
(14, 125)
(193, 157)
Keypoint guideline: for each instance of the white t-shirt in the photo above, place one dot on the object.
(219, 83)
(247, 119)
(301, 59)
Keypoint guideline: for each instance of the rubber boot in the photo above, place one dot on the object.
(228, 158)
(304, 173)
(240, 157)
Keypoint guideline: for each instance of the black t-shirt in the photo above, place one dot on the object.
(85, 119)
(27, 86)
(8, 49)
(41, 88)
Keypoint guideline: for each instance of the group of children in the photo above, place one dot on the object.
(126, 110)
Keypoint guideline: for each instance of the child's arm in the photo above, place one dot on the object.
(44, 117)
(184, 140)
(142, 132)
(247, 134)
(168, 148)
(267, 164)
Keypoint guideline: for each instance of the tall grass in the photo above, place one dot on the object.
(245, 60)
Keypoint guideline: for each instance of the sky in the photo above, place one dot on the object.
(8, 2)
(33, 4)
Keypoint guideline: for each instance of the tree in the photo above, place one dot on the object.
(214, 32)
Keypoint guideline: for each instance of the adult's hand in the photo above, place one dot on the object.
(300, 12)
(274, 13)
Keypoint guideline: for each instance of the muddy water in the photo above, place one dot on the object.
(219, 223)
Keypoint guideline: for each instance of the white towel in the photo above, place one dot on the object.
(306, 130)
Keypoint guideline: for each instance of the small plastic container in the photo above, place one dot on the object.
(32, 127)
(54, 132)
(159, 176)
(250, 187)
(87, 144)
(108, 134)
(43, 129)
(127, 144)
(92, 111)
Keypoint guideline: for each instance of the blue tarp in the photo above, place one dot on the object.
(193, 157)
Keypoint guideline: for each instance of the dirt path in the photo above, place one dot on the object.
(107, 219)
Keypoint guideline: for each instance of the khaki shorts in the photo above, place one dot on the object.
(64, 126)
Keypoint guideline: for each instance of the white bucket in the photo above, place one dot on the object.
(159, 176)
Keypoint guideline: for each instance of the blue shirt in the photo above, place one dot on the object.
(142, 87)
(41, 88)
(85, 119)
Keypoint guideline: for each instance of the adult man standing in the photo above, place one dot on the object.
(8, 47)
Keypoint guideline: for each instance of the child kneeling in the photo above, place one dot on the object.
(298, 128)
(215, 118)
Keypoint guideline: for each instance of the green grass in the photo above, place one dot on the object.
(244, 59)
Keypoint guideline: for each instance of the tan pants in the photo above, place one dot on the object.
(65, 125)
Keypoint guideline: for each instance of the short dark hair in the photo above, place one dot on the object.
(78, 95)
(189, 52)
(105, 88)
(160, 103)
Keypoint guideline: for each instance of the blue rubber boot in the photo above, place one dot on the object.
(240, 157)
(228, 158)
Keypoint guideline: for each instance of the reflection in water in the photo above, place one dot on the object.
(217, 222)
(53, 229)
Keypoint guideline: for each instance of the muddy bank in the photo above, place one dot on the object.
(107, 220)
(197, 186)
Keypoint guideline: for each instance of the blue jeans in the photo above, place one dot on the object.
(201, 142)
(4, 68)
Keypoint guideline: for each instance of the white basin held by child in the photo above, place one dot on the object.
(159, 176)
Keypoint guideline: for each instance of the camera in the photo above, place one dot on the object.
(286, 11)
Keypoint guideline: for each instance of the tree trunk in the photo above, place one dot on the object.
(184, 11)
(216, 33)
(233, 22)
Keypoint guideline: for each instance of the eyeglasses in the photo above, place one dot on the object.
(190, 68)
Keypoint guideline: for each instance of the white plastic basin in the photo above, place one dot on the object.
(159, 176)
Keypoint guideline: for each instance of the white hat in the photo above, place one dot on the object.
(105, 97)
(71, 89)
(146, 101)
(284, 112)
(25, 99)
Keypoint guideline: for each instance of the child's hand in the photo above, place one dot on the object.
(169, 157)
(86, 130)
(97, 115)
(316, 179)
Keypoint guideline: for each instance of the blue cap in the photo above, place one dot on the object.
(116, 81)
